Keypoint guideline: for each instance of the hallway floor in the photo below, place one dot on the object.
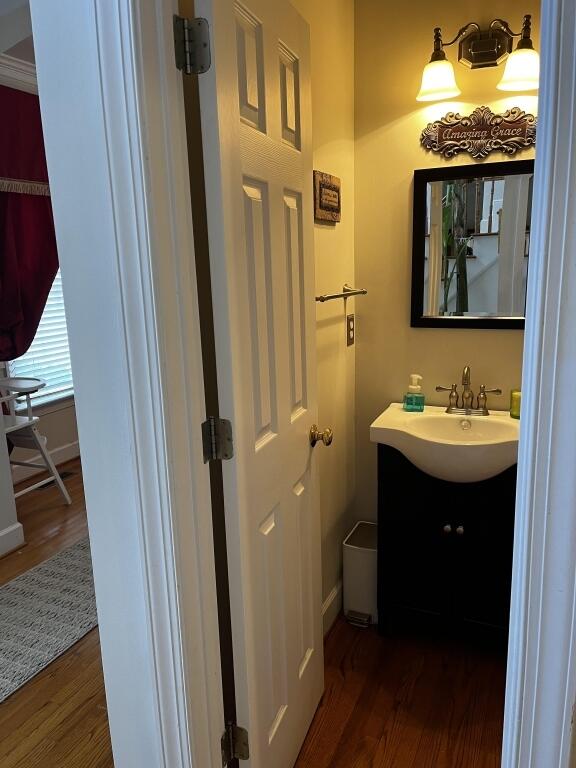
(59, 718)
(406, 702)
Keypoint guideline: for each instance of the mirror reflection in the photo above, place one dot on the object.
(475, 243)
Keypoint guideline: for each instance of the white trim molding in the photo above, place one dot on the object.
(127, 258)
(18, 74)
(11, 538)
(541, 680)
(331, 607)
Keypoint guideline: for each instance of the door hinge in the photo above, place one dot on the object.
(217, 439)
(192, 45)
(234, 744)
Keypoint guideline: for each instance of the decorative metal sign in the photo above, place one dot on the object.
(480, 133)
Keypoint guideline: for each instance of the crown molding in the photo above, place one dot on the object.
(15, 73)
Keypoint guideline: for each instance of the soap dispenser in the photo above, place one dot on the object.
(414, 399)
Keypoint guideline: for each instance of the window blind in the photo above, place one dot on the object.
(49, 357)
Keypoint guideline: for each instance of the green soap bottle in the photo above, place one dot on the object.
(414, 399)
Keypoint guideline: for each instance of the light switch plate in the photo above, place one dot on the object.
(350, 330)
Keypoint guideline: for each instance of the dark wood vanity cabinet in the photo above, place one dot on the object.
(444, 549)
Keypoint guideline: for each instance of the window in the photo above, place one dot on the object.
(49, 357)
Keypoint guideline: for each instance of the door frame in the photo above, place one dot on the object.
(137, 205)
(541, 678)
(112, 113)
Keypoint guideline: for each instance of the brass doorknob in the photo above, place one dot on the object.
(316, 434)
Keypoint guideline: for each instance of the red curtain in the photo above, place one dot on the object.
(28, 254)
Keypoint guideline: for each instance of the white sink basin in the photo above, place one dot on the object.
(461, 449)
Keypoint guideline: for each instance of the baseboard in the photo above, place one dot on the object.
(331, 607)
(59, 456)
(11, 538)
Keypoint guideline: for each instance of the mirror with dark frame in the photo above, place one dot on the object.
(471, 240)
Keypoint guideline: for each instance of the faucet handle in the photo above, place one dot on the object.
(453, 397)
(482, 399)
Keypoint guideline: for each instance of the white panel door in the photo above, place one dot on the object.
(256, 111)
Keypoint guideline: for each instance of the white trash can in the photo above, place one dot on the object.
(360, 567)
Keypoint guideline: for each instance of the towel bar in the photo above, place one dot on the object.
(347, 291)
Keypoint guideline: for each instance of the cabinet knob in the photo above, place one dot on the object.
(460, 530)
(447, 529)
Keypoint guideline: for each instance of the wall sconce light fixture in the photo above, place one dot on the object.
(478, 48)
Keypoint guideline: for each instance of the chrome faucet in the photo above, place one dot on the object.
(468, 397)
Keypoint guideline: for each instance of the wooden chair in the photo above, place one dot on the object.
(21, 428)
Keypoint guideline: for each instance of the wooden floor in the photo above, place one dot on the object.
(58, 719)
(399, 702)
(406, 702)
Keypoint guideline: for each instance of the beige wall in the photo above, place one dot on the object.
(332, 34)
(393, 42)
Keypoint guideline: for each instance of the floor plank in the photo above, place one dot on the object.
(407, 701)
(59, 718)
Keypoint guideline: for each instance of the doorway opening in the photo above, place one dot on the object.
(426, 686)
(52, 700)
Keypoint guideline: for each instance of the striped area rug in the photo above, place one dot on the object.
(42, 613)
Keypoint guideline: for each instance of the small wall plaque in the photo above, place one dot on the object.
(480, 133)
(327, 200)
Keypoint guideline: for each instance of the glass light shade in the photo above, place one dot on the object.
(438, 82)
(521, 72)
